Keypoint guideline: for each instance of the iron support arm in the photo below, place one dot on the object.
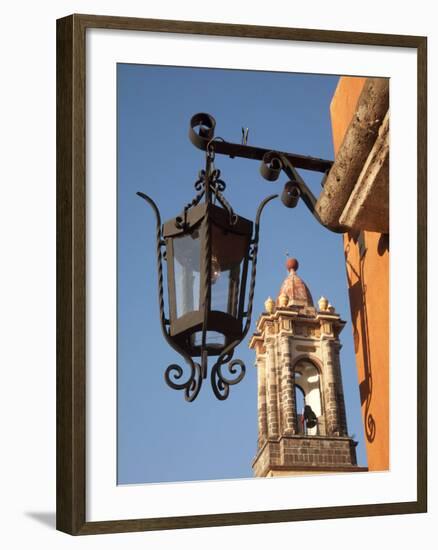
(201, 134)
(203, 138)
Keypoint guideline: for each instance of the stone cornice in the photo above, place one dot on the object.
(309, 316)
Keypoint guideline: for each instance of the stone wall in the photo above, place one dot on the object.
(306, 451)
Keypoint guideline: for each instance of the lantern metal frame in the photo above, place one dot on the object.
(199, 216)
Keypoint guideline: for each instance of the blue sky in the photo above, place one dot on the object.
(161, 437)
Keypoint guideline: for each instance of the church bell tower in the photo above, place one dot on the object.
(302, 425)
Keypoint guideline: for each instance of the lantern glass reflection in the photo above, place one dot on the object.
(186, 253)
(228, 254)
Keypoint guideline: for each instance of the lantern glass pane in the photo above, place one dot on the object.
(186, 253)
(213, 339)
(228, 254)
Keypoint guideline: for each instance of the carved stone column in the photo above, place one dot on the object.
(261, 401)
(272, 389)
(330, 389)
(336, 346)
(288, 406)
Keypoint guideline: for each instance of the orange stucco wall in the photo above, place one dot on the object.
(367, 266)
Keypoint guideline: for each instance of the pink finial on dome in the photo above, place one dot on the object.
(292, 263)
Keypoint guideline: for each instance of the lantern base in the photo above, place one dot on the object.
(222, 329)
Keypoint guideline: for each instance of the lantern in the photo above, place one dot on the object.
(209, 250)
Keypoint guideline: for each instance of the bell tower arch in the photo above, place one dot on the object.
(307, 379)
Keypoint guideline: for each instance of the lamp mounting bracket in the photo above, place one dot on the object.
(201, 134)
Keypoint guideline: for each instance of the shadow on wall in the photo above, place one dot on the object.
(357, 294)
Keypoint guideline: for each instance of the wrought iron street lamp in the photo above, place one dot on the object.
(209, 251)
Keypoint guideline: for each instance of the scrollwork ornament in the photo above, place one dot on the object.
(221, 383)
(191, 386)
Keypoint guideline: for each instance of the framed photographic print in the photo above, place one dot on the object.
(241, 274)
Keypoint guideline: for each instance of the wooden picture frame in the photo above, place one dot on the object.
(71, 273)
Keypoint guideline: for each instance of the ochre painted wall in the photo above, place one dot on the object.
(367, 265)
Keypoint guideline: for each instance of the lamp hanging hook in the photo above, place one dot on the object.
(210, 147)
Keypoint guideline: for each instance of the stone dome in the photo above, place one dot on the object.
(294, 287)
